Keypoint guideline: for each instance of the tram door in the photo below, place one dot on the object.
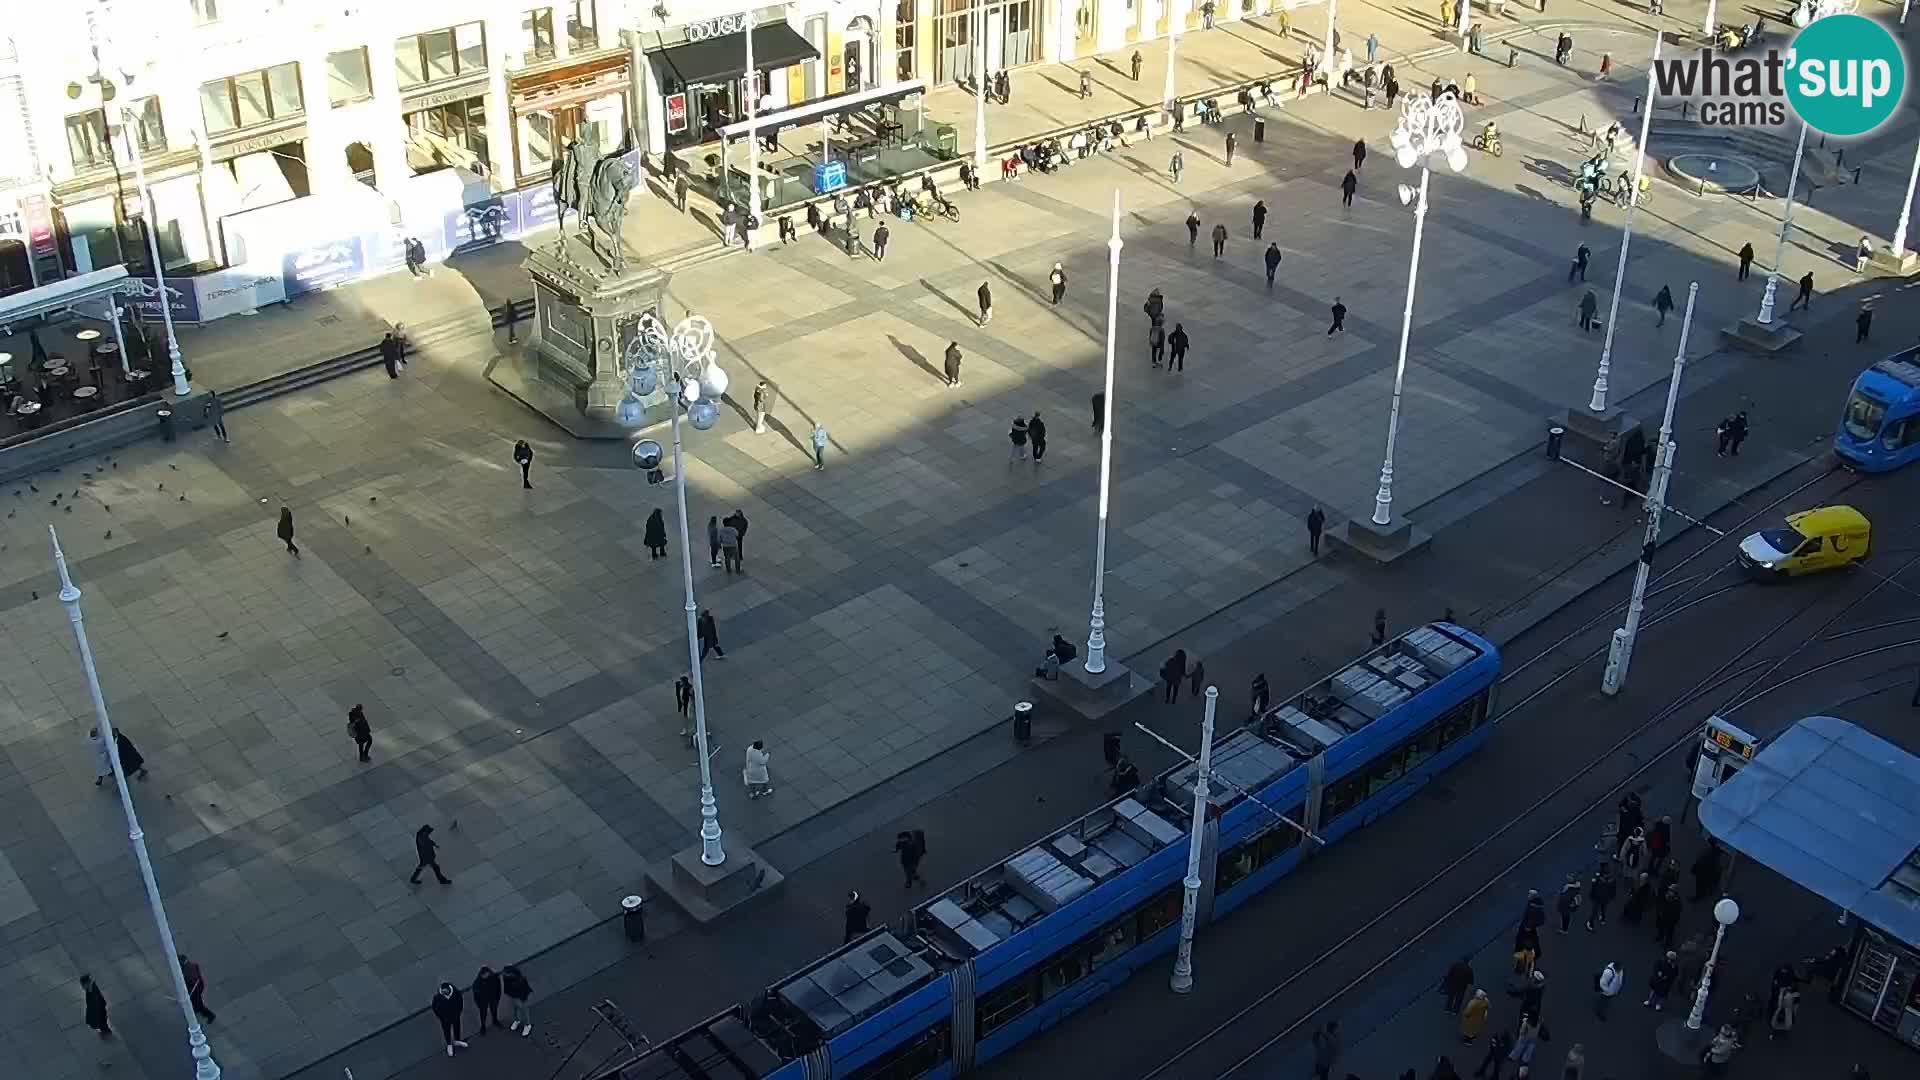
(1316, 788)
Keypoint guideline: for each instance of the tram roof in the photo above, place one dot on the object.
(1836, 809)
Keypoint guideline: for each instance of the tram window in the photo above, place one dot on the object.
(1004, 1004)
(1244, 858)
(1112, 940)
(917, 1057)
(1235, 865)
(1457, 722)
(1422, 746)
(1343, 796)
(1899, 434)
(1064, 970)
(1281, 837)
(1482, 707)
(1386, 768)
(1159, 913)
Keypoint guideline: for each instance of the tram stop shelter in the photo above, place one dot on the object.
(883, 133)
(1836, 810)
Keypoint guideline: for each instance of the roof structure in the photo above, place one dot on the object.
(1835, 809)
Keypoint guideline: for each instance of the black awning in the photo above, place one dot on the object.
(719, 59)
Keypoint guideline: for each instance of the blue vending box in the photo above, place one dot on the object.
(829, 177)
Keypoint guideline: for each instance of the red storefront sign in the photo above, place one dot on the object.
(39, 225)
(676, 113)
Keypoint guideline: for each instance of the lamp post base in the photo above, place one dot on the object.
(1093, 695)
(1885, 264)
(705, 892)
(1381, 543)
(1582, 422)
(1680, 1047)
(1756, 336)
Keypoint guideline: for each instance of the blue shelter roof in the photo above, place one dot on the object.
(1837, 810)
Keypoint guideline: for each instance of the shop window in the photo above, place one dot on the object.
(583, 30)
(536, 36)
(1004, 1004)
(903, 41)
(419, 59)
(349, 78)
(537, 142)
(916, 1057)
(205, 11)
(258, 97)
(87, 141)
(451, 134)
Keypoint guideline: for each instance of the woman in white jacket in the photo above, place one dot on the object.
(755, 773)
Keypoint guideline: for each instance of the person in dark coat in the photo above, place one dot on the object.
(392, 352)
(96, 1008)
(655, 536)
(196, 981)
(1456, 982)
(1219, 235)
(911, 846)
(132, 762)
(1659, 840)
(1316, 524)
(523, 457)
(1666, 916)
(986, 304)
(1660, 983)
(449, 1005)
(1663, 303)
(713, 540)
(1126, 777)
(708, 631)
(1259, 694)
(1863, 322)
(1630, 814)
(1099, 403)
(1638, 901)
(1533, 915)
(1498, 1048)
(1196, 676)
(1359, 154)
(1272, 258)
(1589, 311)
(1746, 261)
(1601, 890)
(1259, 217)
(1348, 185)
(1177, 343)
(486, 997)
(216, 412)
(428, 852)
(519, 991)
(1193, 227)
(857, 911)
(1172, 672)
(1736, 432)
(1037, 435)
(683, 702)
(1805, 299)
(285, 532)
(738, 519)
(1705, 870)
(360, 731)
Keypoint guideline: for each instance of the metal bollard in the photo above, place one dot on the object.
(633, 919)
(1636, 104)
(1555, 436)
(1023, 722)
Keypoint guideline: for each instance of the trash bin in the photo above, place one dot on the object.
(166, 424)
(1259, 129)
(633, 919)
(1555, 435)
(1023, 721)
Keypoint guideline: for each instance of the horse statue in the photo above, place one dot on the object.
(573, 178)
(612, 182)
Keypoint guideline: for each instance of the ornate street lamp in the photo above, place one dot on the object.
(1427, 127)
(1598, 403)
(683, 358)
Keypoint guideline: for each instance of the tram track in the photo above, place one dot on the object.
(1738, 666)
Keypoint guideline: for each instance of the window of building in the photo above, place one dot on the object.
(205, 11)
(87, 140)
(903, 40)
(916, 1057)
(349, 77)
(456, 131)
(419, 59)
(149, 131)
(536, 35)
(583, 30)
(258, 97)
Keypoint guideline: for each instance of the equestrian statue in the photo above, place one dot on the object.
(595, 188)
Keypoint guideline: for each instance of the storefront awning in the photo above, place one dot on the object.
(59, 296)
(719, 59)
(838, 105)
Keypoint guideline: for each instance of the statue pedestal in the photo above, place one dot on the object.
(572, 368)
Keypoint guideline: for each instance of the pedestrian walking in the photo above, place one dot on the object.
(1348, 185)
(1575, 1066)
(683, 703)
(680, 190)
(1629, 814)
(1455, 984)
(738, 519)
(1720, 1050)
(285, 532)
(1746, 261)
(1600, 893)
(132, 762)
(523, 457)
(1498, 1048)
(762, 404)
(393, 353)
(1862, 254)
(1379, 627)
(1099, 404)
(1193, 229)
(1259, 217)
(1339, 317)
(1473, 1017)
(428, 853)
(857, 911)
(1633, 851)
(1589, 311)
(1219, 239)
(730, 225)
(754, 773)
(519, 997)
(911, 846)
(713, 541)
(1259, 694)
(1017, 438)
(486, 996)
(216, 413)
(1568, 901)
(1037, 435)
(1196, 676)
(1582, 255)
(1373, 47)
(1316, 524)
(1359, 154)
(708, 631)
(1638, 901)
(1156, 343)
(1737, 432)
(880, 237)
(96, 1015)
(1663, 303)
(1177, 347)
(986, 303)
(1863, 322)
(1231, 143)
(1446, 14)
(1156, 305)
(449, 1006)
(654, 535)
(730, 548)
(1057, 278)
(1606, 66)
(1172, 673)
(1272, 259)
(1176, 165)
(1786, 1011)
(1805, 299)
(1660, 983)
(819, 446)
(360, 731)
(1326, 1050)
(1526, 1039)
(1666, 915)
(1705, 869)
(1606, 987)
(1133, 64)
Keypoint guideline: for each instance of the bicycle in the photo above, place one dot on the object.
(1486, 145)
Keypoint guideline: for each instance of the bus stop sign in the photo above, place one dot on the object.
(1724, 750)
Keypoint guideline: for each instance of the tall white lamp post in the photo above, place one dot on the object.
(1725, 914)
(696, 384)
(116, 92)
(1786, 224)
(1464, 23)
(1426, 128)
(1599, 402)
(980, 98)
(1182, 980)
(204, 1067)
(1097, 624)
(1173, 38)
(1326, 56)
(1620, 651)
(753, 135)
(1898, 251)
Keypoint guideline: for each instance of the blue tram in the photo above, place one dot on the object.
(1880, 429)
(1019, 946)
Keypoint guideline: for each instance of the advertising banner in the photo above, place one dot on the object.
(482, 224)
(315, 268)
(537, 209)
(239, 290)
(144, 298)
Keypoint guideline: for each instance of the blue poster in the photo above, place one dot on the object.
(479, 225)
(183, 303)
(315, 268)
(537, 209)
